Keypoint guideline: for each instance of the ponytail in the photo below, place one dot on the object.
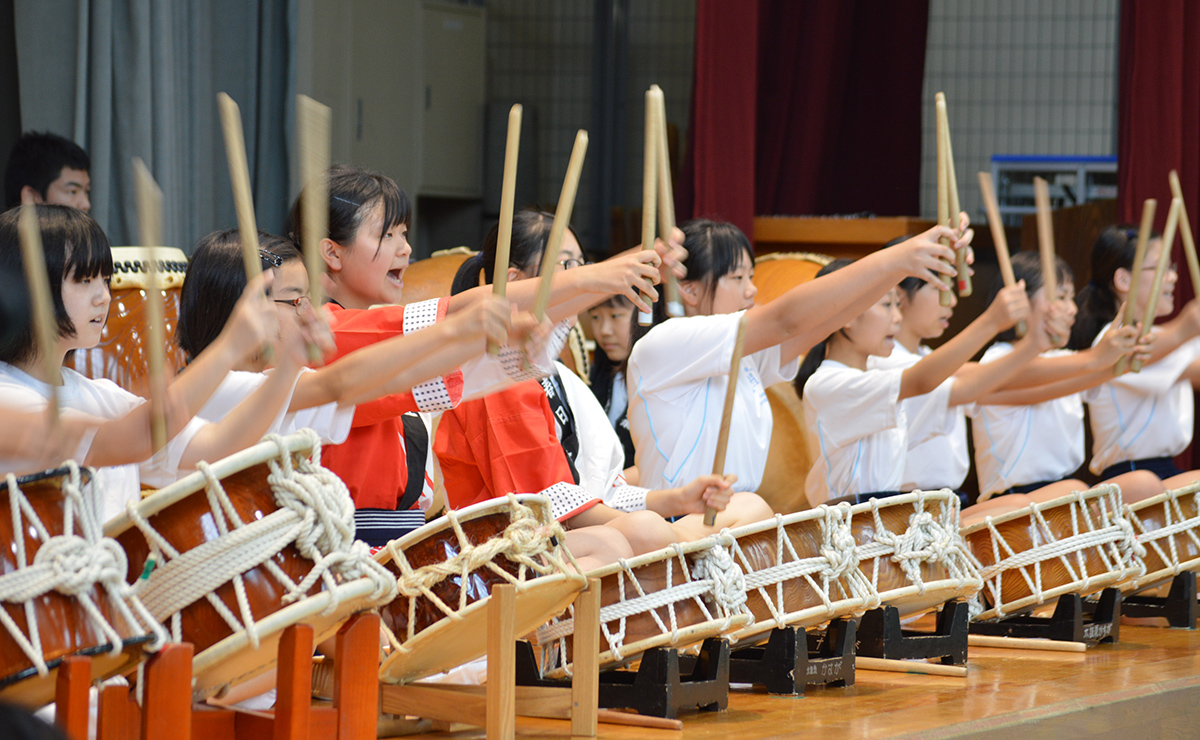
(1114, 249)
(1097, 307)
(812, 361)
(467, 276)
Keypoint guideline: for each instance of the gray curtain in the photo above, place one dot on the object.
(140, 78)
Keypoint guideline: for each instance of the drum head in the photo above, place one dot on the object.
(28, 689)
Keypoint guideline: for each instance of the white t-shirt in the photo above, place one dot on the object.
(858, 431)
(1019, 445)
(1146, 414)
(102, 399)
(942, 460)
(331, 421)
(677, 378)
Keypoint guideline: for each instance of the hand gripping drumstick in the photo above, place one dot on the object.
(44, 325)
(1041, 198)
(562, 217)
(666, 198)
(1160, 271)
(149, 210)
(1139, 259)
(998, 236)
(239, 176)
(649, 190)
(1185, 233)
(943, 190)
(314, 131)
(735, 369)
(965, 287)
(508, 194)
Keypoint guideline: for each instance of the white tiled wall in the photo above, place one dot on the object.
(1020, 77)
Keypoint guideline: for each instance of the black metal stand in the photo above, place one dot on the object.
(1067, 623)
(1178, 606)
(792, 659)
(658, 688)
(881, 636)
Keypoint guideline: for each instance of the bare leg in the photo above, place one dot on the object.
(595, 547)
(1138, 485)
(1183, 479)
(1058, 490)
(745, 507)
(645, 530)
(994, 507)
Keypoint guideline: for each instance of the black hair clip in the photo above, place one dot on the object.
(270, 260)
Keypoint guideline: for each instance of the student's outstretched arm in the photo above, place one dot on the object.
(1098, 359)
(974, 380)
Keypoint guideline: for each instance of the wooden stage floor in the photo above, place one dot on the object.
(1146, 686)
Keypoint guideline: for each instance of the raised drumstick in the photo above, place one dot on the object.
(998, 237)
(314, 131)
(1185, 233)
(666, 198)
(649, 189)
(1160, 271)
(735, 369)
(149, 210)
(44, 326)
(943, 188)
(508, 195)
(965, 287)
(1139, 259)
(562, 217)
(239, 177)
(1041, 199)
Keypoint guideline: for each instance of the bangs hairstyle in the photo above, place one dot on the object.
(75, 247)
(1098, 301)
(816, 355)
(530, 233)
(37, 160)
(216, 278)
(1027, 266)
(353, 194)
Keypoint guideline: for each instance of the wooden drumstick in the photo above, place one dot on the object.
(1185, 233)
(1041, 198)
(508, 195)
(965, 288)
(239, 177)
(314, 130)
(649, 190)
(562, 218)
(666, 198)
(943, 189)
(44, 325)
(149, 210)
(1160, 272)
(909, 666)
(1139, 259)
(735, 369)
(998, 236)
(1022, 643)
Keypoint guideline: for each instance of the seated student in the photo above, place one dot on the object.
(47, 168)
(79, 263)
(612, 327)
(554, 437)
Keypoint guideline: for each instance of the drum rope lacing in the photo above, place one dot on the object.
(71, 564)
(833, 574)
(714, 575)
(928, 539)
(530, 541)
(1176, 523)
(1110, 536)
(315, 514)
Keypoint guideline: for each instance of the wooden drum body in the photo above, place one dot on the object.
(54, 509)
(235, 548)
(801, 570)
(910, 550)
(445, 572)
(1079, 543)
(121, 356)
(1168, 527)
(675, 597)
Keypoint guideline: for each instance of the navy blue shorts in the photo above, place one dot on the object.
(1163, 467)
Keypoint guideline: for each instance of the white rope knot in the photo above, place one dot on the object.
(728, 580)
(838, 547)
(78, 565)
(1132, 551)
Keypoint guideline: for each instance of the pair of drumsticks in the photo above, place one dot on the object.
(947, 204)
(658, 199)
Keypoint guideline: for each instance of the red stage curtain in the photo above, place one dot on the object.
(1159, 119)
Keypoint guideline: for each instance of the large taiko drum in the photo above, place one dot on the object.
(1168, 527)
(675, 597)
(801, 570)
(910, 549)
(788, 460)
(121, 356)
(1080, 543)
(62, 587)
(243, 548)
(445, 571)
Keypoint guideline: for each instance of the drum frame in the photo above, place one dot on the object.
(1176, 526)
